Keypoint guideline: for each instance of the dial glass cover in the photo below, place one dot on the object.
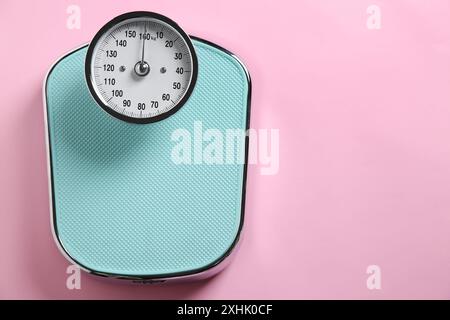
(141, 67)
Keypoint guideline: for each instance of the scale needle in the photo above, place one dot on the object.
(143, 45)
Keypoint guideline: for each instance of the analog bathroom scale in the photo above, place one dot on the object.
(146, 157)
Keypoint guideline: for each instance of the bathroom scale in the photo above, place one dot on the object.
(147, 147)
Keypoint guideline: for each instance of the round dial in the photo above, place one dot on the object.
(141, 67)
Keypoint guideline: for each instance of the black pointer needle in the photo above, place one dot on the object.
(143, 47)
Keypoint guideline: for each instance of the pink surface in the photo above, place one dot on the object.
(364, 120)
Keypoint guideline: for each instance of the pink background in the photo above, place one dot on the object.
(364, 120)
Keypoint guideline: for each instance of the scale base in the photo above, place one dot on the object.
(121, 206)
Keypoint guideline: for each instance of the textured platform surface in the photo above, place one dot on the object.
(121, 205)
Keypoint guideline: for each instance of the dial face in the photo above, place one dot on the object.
(141, 67)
